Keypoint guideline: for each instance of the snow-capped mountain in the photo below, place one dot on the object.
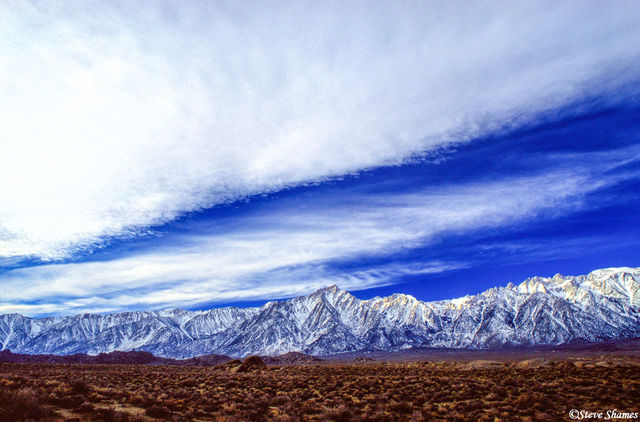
(602, 305)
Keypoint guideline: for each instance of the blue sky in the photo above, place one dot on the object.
(173, 155)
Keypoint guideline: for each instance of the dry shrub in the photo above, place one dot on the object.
(79, 386)
(86, 407)
(279, 400)
(137, 400)
(68, 401)
(525, 401)
(402, 407)
(109, 414)
(188, 383)
(156, 411)
(342, 414)
(22, 404)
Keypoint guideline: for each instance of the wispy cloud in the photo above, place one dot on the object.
(285, 251)
(114, 118)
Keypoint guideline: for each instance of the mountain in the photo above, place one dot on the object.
(603, 305)
(118, 358)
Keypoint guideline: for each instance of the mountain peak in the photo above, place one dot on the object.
(532, 285)
(331, 289)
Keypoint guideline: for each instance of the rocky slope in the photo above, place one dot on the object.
(603, 305)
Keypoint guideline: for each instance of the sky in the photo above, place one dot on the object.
(169, 154)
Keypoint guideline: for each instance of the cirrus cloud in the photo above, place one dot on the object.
(118, 117)
(283, 250)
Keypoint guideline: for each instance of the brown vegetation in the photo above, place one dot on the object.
(418, 391)
(130, 358)
(291, 358)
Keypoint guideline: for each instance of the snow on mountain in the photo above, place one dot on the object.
(603, 305)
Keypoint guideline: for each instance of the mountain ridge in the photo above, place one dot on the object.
(602, 305)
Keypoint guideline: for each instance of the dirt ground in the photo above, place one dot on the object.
(476, 390)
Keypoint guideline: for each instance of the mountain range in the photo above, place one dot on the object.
(603, 305)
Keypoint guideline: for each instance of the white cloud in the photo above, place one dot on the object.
(283, 252)
(112, 119)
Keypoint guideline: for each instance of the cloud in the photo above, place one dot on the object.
(118, 117)
(284, 251)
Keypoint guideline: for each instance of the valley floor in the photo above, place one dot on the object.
(478, 390)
